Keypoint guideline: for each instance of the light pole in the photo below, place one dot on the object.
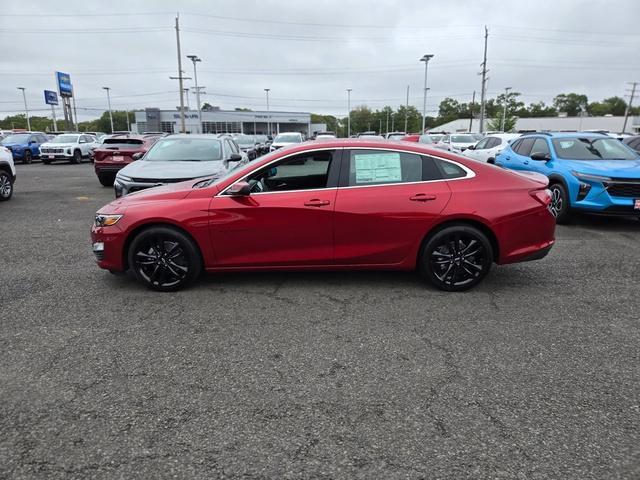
(267, 90)
(425, 59)
(504, 112)
(349, 112)
(195, 59)
(26, 109)
(186, 91)
(109, 104)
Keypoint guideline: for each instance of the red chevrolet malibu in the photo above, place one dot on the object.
(332, 205)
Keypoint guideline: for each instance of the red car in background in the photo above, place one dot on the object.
(116, 152)
(335, 205)
(410, 138)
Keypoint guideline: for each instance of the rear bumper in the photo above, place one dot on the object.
(107, 169)
(525, 238)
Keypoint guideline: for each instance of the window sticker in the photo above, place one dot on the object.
(566, 143)
(377, 167)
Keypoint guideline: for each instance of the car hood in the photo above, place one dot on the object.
(172, 170)
(58, 145)
(462, 145)
(606, 168)
(13, 145)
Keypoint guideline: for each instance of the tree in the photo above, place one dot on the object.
(609, 106)
(540, 109)
(496, 122)
(41, 124)
(572, 104)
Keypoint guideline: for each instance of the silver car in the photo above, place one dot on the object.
(178, 158)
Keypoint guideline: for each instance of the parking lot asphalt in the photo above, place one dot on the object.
(534, 374)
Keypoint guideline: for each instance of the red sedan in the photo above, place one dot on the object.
(334, 205)
(118, 151)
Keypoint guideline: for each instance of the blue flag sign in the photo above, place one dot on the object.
(50, 97)
(64, 84)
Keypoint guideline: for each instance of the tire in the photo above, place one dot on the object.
(27, 157)
(164, 259)
(456, 258)
(6, 186)
(106, 180)
(46, 162)
(560, 203)
(491, 160)
(77, 157)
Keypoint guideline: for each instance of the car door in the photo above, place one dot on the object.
(518, 157)
(33, 145)
(386, 202)
(287, 220)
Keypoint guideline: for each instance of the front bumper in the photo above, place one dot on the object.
(56, 156)
(124, 187)
(613, 198)
(108, 247)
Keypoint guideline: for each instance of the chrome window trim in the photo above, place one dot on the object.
(470, 173)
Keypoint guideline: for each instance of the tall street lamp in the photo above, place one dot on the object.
(267, 90)
(504, 112)
(26, 109)
(109, 104)
(425, 59)
(195, 59)
(349, 112)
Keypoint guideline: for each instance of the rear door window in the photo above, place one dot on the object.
(383, 167)
(524, 146)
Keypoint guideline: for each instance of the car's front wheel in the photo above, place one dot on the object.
(6, 186)
(456, 258)
(27, 157)
(559, 203)
(77, 157)
(164, 259)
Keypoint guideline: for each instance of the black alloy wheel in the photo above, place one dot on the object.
(559, 203)
(456, 258)
(164, 259)
(27, 157)
(77, 157)
(6, 186)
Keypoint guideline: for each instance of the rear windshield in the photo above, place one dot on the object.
(123, 142)
(463, 139)
(592, 149)
(288, 138)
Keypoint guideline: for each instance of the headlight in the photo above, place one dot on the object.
(590, 178)
(103, 220)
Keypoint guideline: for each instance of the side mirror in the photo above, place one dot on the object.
(32, 142)
(239, 189)
(471, 147)
(137, 156)
(540, 156)
(235, 157)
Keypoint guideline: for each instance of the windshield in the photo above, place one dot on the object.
(244, 140)
(425, 139)
(463, 139)
(397, 136)
(65, 139)
(592, 149)
(185, 150)
(288, 138)
(435, 138)
(19, 138)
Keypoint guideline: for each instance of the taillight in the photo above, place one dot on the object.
(543, 196)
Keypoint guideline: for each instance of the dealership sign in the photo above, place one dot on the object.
(50, 97)
(64, 84)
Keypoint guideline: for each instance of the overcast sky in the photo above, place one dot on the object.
(309, 53)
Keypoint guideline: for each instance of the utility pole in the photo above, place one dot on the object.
(186, 91)
(195, 59)
(26, 109)
(267, 90)
(53, 114)
(473, 101)
(628, 109)
(180, 83)
(128, 122)
(75, 112)
(504, 112)
(484, 80)
(406, 112)
(387, 128)
(425, 59)
(109, 105)
(349, 112)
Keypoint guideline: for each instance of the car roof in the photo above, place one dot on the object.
(566, 134)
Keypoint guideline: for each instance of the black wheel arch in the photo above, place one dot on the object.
(140, 228)
(470, 222)
(557, 178)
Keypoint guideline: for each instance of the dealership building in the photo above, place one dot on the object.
(224, 121)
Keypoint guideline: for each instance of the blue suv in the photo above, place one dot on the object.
(24, 146)
(587, 172)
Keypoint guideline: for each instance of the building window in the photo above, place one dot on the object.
(141, 126)
(166, 127)
(221, 127)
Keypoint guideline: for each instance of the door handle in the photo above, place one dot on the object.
(316, 202)
(526, 162)
(507, 158)
(422, 197)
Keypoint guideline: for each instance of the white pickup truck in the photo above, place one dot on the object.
(72, 147)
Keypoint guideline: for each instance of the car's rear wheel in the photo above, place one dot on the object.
(6, 186)
(46, 161)
(27, 157)
(77, 157)
(559, 203)
(456, 258)
(164, 259)
(106, 180)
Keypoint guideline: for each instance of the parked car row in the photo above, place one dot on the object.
(49, 147)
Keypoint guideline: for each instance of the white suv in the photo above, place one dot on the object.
(72, 147)
(7, 174)
(490, 146)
